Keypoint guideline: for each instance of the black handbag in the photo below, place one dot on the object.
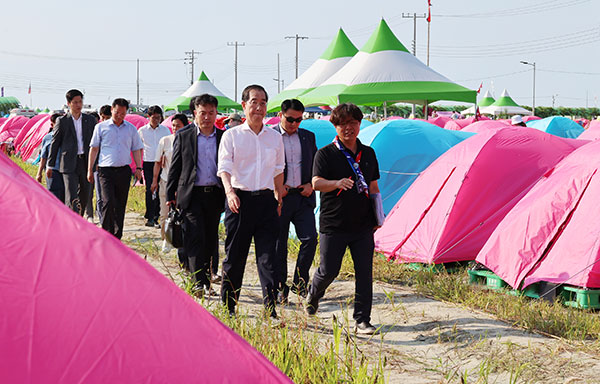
(173, 230)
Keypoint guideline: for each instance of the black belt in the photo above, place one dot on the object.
(206, 188)
(260, 192)
(82, 156)
(294, 190)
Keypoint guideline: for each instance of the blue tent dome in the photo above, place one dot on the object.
(558, 126)
(404, 149)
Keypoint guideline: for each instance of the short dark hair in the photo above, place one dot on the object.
(204, 99)
(120, 102)
(294, 104)
(181, 117)
(345, 112)
(154, 110)
(72, 93)
(55, 116)
(95, 115)
(255, 87)
(105, 110)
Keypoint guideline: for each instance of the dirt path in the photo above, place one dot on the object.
(423, 340)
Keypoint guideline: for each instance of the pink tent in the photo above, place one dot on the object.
(168, 122)
(454, 205)
(79, 306)
(34, 137)
(394, 118)
(529, 118)
(552, 233)
(11, 127)
(326, 117)
(272, 120)
(592, 132)
(457, 125)
(485, 125)
(25, 129)
(2, 120)
(440, 121)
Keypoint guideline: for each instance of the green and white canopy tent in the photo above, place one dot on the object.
(200, 87)
(384, 71)
(339, 52)
(488, 99)
(505, 105)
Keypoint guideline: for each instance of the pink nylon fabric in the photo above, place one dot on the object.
(138, 121)
(78, 306)
(440, 121)
(592, 132)
(272, 120)
(455, 204)
(11, 127)
(552, 233)
(457, 125)
(484, 125)
(25, 129)
(34, 137)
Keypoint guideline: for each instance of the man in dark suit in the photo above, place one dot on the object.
(194, 186)
(298, 198)
(71, 144)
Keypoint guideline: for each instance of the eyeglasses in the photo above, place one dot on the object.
(291, 120)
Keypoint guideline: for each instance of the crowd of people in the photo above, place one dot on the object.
(263, 178)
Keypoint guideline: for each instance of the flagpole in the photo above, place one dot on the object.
(428, 29)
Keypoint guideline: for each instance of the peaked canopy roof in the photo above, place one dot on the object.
(505, 105)
(201, 86)
(80, 306)
(339, 52)
(384, 71)
(488, 99)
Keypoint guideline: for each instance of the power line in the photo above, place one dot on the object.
(526, 10)
(235, 66)
(190, 58)
(297, 38)
(66, 58)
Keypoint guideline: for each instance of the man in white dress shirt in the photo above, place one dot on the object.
(251, 162)
(151, 134)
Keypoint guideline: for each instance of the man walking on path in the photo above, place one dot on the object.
(251, 162)
(193, 175)
(72, 135)
(55, 184)
(151, 134)
(346, 173)
(114, 140)
(298, 199)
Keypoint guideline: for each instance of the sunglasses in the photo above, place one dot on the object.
(290, 119)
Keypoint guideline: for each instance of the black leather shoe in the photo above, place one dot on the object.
(311, 305)
(282, 298)
(149, 223)
(365, 328)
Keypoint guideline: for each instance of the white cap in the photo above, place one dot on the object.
(516, 119)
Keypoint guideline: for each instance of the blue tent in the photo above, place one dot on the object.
(325, 131)
(557, 126)
(404, 149)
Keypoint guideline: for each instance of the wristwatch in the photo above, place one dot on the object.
(140, 168)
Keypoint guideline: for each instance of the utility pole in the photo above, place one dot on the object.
(297, 38)
(138, 82)
(278, 79)
(414, 16)
(533, 65)
(235, 65)
(190, 60)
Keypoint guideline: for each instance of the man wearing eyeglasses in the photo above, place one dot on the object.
(298, 199)
(251, 162)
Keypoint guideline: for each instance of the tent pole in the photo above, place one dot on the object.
(385, 110)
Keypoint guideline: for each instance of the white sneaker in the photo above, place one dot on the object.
(166, 247)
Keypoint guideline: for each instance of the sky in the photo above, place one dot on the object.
(94, 45)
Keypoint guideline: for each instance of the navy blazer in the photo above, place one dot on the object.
(64, 138)
(182, 173)
(309, 149)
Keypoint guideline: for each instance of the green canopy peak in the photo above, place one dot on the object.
(203, 77)
(341, 46)
(383, 39)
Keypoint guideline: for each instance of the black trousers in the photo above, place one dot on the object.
(298, 210)
(258, 219)
(333, 247)
(77, 187)
(200, 227)
(152, 200)
(56, 185)
(114, 187)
